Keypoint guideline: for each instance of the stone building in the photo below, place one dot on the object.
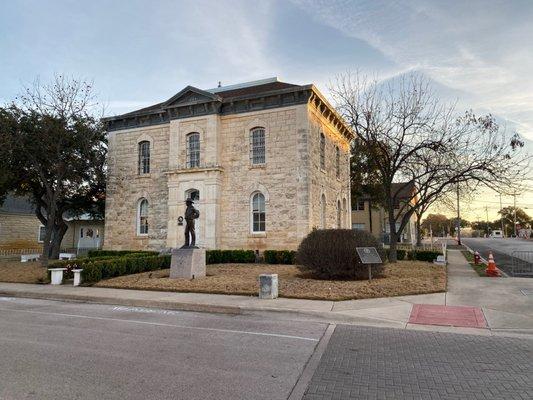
(372, 217)
(264, 161)
(21, 230)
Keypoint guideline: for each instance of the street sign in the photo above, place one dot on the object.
(368, 255)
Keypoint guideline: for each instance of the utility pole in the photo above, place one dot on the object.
(487, 214)
(514, 213)
(501, 216)
(458, 219)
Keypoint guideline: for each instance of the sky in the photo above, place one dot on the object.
(137, 53)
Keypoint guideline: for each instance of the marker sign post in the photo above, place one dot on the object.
(369, 255)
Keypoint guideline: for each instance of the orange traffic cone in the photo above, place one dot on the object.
(492, 270)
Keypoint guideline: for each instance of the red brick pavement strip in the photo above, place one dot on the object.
(429, 314)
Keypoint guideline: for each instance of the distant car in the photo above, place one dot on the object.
(496, 234)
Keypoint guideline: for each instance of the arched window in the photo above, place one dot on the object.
(344, 213)
(323, 212)
(322, 151)
(337, 162)
(144, 157)
(257, 145)
(193, 150)
(258, 213)
(142, 217)
(339, 214)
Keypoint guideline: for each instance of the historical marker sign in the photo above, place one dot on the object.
(368, 255)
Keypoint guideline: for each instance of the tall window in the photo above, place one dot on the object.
(359, 205)
(193, 150)
(322, 151)
(142, 218)
(258, 213)
(337, 162)
(257, 145)
(144, 157)
(339, 214)
(42, 232)
(344, 213)
(323, 212)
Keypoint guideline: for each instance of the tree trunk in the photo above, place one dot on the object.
(47, 243)
(393, 238)
(418, 232)
(59, 232)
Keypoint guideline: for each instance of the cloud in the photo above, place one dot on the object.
(478, 47)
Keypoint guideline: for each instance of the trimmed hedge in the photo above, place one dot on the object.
(424, 255)
(117, 253)
(400, 254)
(418, 255)
(230, 256)
(279, 256)
(93, 271)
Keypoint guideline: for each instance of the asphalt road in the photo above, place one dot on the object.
(56, 350)
(502, 250)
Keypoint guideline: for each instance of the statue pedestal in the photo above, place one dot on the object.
(188, 263)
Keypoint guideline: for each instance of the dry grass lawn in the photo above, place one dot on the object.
(402, 278)
(15, 271)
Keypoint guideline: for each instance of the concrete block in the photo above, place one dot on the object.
(77, 276)
(57, 275)
(268, 286)
(187, 263)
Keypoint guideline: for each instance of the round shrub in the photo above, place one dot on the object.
(331, 254)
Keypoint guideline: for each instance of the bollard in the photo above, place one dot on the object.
(268, 286)
(477, 258)
(77, 276)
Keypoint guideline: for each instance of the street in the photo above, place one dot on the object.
(56, 350)
(502, 250)
(61, 350)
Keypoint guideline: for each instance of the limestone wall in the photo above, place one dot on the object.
(282, 179)
(126, 187)
(324, 182)
(291, 180)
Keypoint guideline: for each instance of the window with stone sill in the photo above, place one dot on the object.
(144, 157)
(323, 212)
(322, 151)
(142, 217)
(193, 150)
(337, 162)
(257, 146)
(258, 213)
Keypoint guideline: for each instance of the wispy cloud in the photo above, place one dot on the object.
(480, 47)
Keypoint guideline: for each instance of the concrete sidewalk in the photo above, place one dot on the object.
(507, 309)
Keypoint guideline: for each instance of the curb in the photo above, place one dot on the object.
(126, 302)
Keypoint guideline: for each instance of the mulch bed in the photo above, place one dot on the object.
(400, 279)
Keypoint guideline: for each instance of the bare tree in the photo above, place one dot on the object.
(414, 138)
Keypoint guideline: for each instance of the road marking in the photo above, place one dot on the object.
(146, 310)
(279, 335)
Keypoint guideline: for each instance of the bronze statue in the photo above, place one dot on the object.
(191, 214)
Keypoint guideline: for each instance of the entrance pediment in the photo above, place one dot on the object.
(191, 95)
